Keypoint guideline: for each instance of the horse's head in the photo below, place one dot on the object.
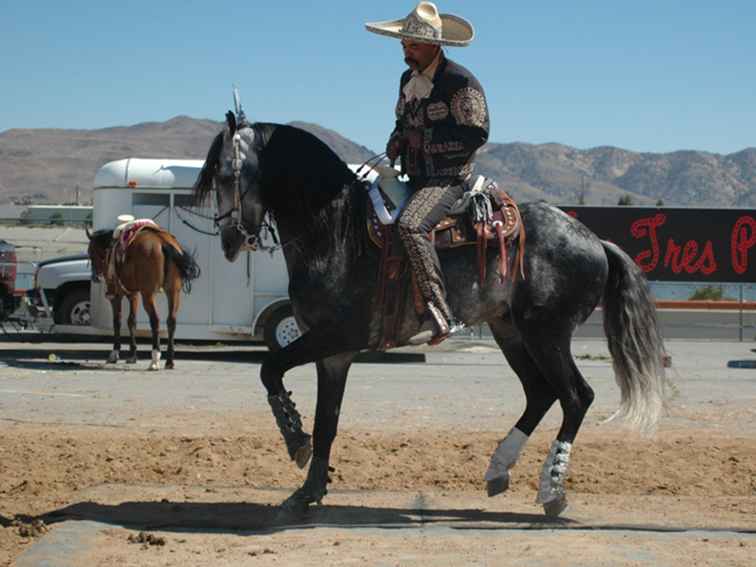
(99, 243)
(231, 170)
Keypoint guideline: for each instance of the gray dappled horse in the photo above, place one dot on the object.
(320, 210)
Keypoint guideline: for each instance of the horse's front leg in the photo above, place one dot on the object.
(332, 375)
(313, 345)
(133, 306)
(115, 305)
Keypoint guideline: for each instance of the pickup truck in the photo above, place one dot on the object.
(61, 290)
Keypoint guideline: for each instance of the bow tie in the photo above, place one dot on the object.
(418, 87)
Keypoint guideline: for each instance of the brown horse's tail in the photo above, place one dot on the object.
(185, 263)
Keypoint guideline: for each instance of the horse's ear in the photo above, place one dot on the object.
(231, 121)
(86, 231)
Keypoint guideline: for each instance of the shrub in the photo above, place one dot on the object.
(708, 292)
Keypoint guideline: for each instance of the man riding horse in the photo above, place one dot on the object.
(441, 121)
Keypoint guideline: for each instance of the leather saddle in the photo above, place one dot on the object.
(484, 216)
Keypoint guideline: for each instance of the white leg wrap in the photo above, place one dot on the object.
(506, 454)
(554, 473)
(155, 365)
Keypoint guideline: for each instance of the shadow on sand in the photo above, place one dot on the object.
(38, 358)
(252, 517)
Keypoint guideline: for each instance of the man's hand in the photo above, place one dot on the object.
(395, 146)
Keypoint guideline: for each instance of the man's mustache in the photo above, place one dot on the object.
(410, 61)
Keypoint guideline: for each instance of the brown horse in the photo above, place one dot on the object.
(153, 259)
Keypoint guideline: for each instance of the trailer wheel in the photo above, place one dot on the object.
(74, 307)
(281, 328)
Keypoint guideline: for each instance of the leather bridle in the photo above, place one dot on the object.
(236, 212)
(237, 124)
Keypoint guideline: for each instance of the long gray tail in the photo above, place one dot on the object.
(186, 264)
(635, 342)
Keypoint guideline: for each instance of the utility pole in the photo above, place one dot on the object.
(583, 186)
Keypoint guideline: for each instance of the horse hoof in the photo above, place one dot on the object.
(154, 366)
(292, 510)
(303, 454)
(555, 507)
(112, 359)
(497, 485)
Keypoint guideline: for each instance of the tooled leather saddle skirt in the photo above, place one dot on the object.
(485, 216)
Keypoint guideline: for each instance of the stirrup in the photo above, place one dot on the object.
(434, 328)
(454, 327)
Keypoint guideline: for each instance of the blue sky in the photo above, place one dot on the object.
(645, 75)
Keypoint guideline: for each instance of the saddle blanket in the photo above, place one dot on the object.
(126, 233)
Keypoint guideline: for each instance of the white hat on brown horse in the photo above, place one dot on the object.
(424, 24)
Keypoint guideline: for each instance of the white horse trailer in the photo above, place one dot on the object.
(244, 300)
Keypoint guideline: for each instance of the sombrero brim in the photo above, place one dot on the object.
(455, 31)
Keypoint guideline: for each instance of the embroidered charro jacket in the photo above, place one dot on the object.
(453, 121)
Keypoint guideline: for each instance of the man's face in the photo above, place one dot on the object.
(418, 55)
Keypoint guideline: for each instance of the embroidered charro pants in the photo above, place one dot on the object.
(426, 207)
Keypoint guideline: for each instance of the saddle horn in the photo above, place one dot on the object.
(241, 118)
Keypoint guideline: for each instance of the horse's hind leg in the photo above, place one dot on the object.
(148, 300)
(115, 354)
(539, 397)
(551, 353)
(133, 306)
(174, 300)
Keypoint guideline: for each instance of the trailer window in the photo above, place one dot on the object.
(151, 199)
(186, 201)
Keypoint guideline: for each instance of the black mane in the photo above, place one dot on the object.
(204, 184)
(289, 159)
(296, 167)
(304, 179)
(300, 175)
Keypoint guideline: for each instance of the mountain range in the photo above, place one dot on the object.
(54, 165)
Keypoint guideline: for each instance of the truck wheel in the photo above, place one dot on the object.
(74, 308)
(281, 328)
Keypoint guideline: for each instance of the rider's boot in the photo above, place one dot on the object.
(435, 327)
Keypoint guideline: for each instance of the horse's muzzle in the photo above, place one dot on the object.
(231, 242)
(250, 243)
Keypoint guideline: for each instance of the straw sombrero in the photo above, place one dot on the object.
(426, 25)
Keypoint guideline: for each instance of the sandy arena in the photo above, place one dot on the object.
(114, 465)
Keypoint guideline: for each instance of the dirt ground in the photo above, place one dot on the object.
(706, 476)
(183, 487)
